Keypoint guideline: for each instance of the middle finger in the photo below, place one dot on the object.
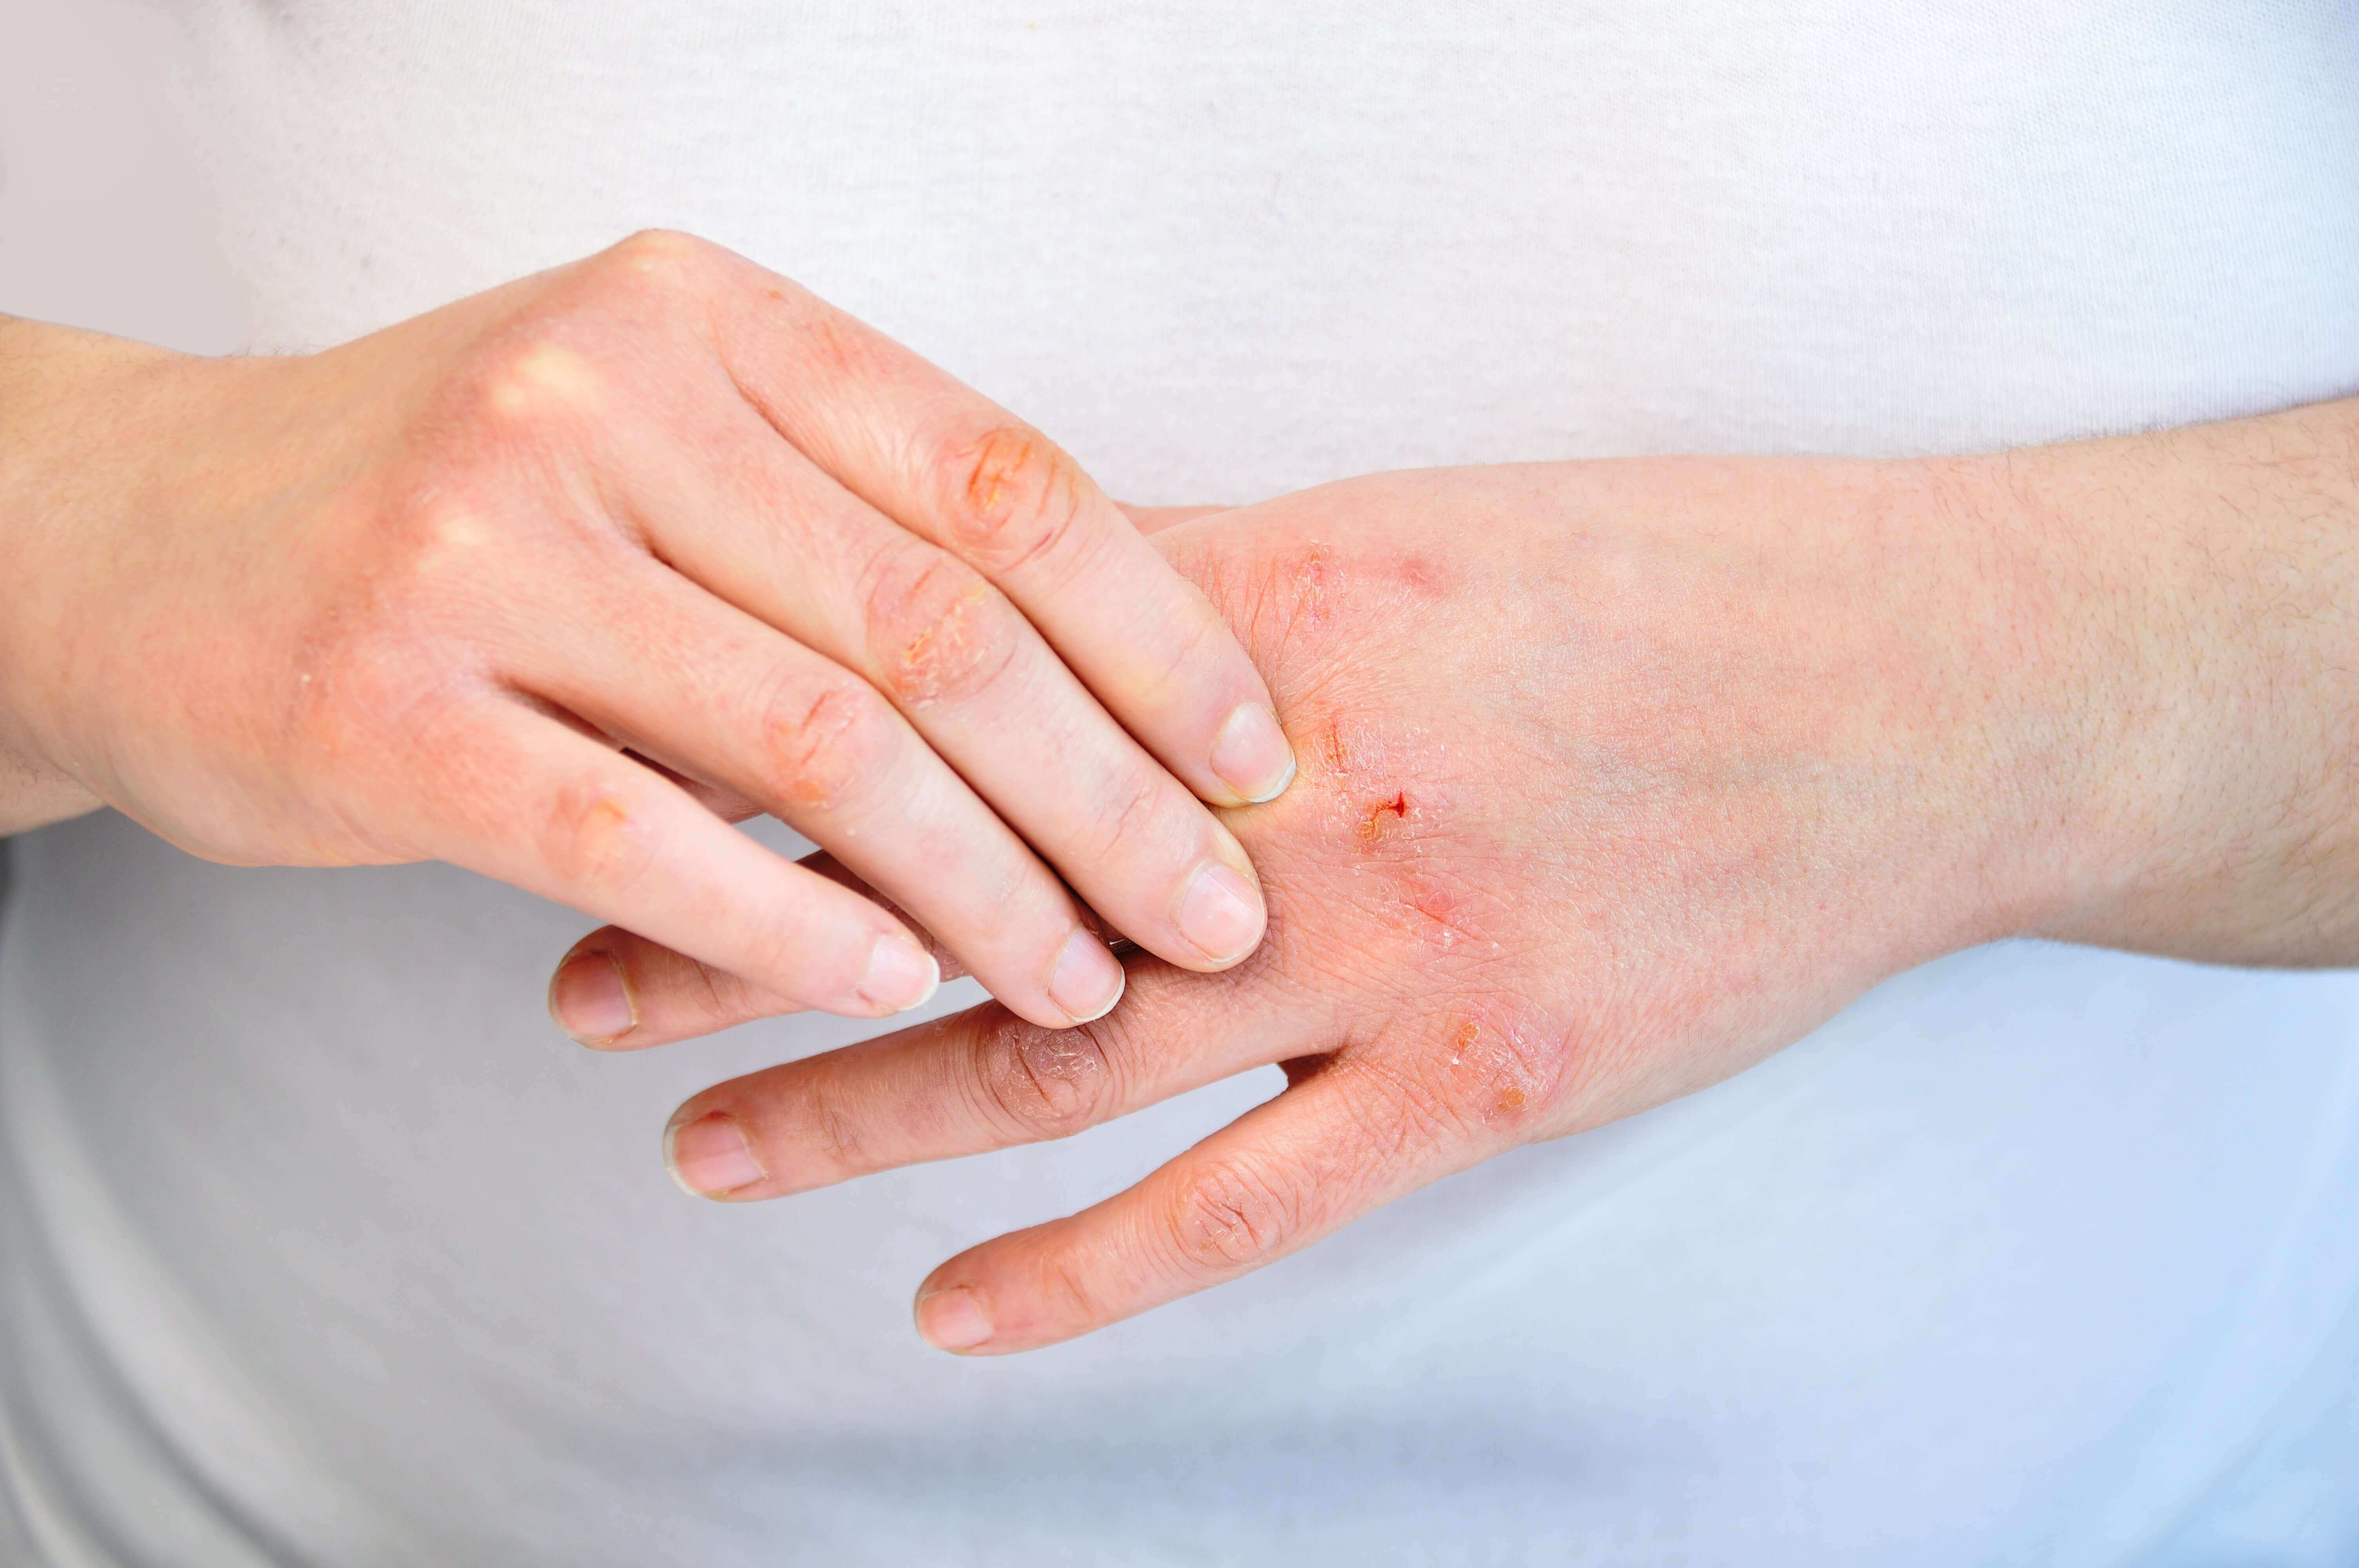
(979, 1080)
(756, 523)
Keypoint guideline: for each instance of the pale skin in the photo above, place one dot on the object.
(1615, 777)
(548, 581)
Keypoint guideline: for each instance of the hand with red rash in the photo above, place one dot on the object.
(1617, 777)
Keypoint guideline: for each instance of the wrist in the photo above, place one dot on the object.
(2196, 630)
(1981, 673)
(78, 439)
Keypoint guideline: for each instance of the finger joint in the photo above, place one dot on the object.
(1012, 498)
(594, 837)
(1044, 1083)
(834, 1128)
(938, 632)
(1227, 1214)
(824, 745)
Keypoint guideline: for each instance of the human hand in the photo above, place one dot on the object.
(1616, 778)
(413, 597)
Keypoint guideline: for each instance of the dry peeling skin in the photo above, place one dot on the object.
(1013, 473)
(1564, 844)
(1554, 795)
(935, 635)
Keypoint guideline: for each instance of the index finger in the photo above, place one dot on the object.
(955, 468)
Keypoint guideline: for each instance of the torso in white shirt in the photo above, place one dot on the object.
(323, 1248)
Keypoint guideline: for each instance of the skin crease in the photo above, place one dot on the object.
(413, 597)
(1617, 777)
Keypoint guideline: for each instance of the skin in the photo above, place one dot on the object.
(548, 581)
(1618, 777)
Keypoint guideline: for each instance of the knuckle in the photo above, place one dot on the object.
(1044, 1083)
(937, 631)
(593, 836)
(664, 259)
(529, 380)
(1227, 1214)
(1124, 824)
(1483, 1081)
(1064, 1283)
(824, 745)
(830, 1131)
(837, 347)
(712, 992)
(1012, 498)
(447, 539)
(1503, 1072)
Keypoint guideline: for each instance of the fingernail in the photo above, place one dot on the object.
(590, 999)
(1251, 754)
(709, 1157)
(1087, 980)
(953, 1320)
(1221, 914)
(901, 974)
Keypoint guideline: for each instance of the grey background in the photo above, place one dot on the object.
(103, 209)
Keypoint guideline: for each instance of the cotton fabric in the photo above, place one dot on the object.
(317, 1246)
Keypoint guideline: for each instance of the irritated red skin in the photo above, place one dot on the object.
(1617, 777)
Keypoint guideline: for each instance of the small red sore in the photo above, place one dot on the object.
(1372, 826)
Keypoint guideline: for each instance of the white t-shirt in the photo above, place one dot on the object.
(322, 1248)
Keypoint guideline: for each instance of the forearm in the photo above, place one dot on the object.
(2206, 598)
(58, 391)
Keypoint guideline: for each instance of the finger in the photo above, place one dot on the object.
(980, 1080)
(674, 997)
(1340, 1143)
(748, 518)
(538, 805)
(957, 468)
(714, 691)
(1155, 519)
(663, 995)
(723, 802)
(616, 991)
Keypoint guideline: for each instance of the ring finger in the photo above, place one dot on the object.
(708, 690)
(755, 523)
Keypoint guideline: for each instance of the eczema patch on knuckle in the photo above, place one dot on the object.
(938, 633)
(590, 836)
(1014, 496)
(1223, 1219)
(1494, 1071)
(821, 748)
(1049, 1081)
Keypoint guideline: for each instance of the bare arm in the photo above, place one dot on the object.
(38, 365)
(2207, 586)
(1620, 777)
